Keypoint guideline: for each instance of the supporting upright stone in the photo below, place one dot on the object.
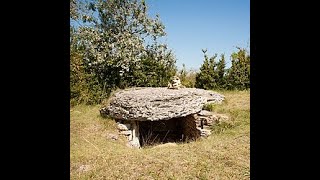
(135, 135)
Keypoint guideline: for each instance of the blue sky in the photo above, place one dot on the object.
(192, 25)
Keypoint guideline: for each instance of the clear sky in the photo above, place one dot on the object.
(192, 25)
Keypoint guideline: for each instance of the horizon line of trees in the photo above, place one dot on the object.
(214, 74)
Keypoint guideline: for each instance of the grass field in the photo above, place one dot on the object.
(223, 155)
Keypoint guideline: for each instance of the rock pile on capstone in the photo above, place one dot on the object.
(175, 83)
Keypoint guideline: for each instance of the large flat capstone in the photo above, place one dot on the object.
(153, 104)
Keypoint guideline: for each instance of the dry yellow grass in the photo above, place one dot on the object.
(224, 155)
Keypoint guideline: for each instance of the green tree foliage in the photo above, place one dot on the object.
(214, 75)
(82, 83)
(207, 77)
(154, 69)
(116, 46)
(220, 73)
(239, 74)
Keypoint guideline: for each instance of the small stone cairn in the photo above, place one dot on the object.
(175, 83)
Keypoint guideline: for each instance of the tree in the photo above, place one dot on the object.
(116, 38)
(214, 75)
(239, 74)
(112, 39)
(207, 77)
(220, 72)
(84, 87)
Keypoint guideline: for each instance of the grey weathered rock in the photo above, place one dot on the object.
(204, 132)
(122, 127)
(134, 143)
(205, 113)
(112, 136)
(126, 133)
(153, 104)
(168, 107)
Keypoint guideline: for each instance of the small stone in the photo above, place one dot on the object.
(84, 168)
(204, 132)
(205, 113)
(122, 127)
(134, 143)
(126, 133)
(112, 136)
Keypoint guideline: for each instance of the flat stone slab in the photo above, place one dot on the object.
(153, 104)
(205, 113)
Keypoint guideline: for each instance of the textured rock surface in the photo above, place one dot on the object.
(112, 136)
(142, 104)
(122, 127)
